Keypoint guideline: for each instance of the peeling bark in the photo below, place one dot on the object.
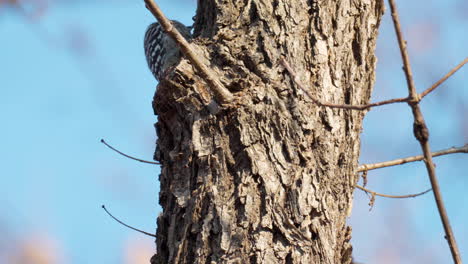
(269, 178)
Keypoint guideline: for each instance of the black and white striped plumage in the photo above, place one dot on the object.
(160, 50)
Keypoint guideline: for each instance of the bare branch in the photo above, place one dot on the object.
(222, 94)
(293, 74)
(422, 135)
(443, 79)
(392, 196)
(390, 101)
(373, 166)
(122, 223)
(128, 156)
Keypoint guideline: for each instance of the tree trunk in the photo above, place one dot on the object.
(269, 178)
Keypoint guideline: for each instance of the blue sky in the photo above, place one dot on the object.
(77, 73)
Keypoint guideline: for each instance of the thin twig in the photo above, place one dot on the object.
(393, 196)
(422, 135)
(222, 94)
(373, 166)
(390, 101)
(122, 223)
(443, 79)
(293, 74)
(128, 156)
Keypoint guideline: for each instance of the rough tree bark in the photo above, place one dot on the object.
(269, 178)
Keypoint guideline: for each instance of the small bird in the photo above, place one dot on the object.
(161, 51)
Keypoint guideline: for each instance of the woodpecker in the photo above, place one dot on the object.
(161, 51)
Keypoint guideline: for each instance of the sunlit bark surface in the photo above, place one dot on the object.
(269, 178)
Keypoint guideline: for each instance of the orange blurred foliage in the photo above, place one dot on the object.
(37, 249)
(138, 250)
